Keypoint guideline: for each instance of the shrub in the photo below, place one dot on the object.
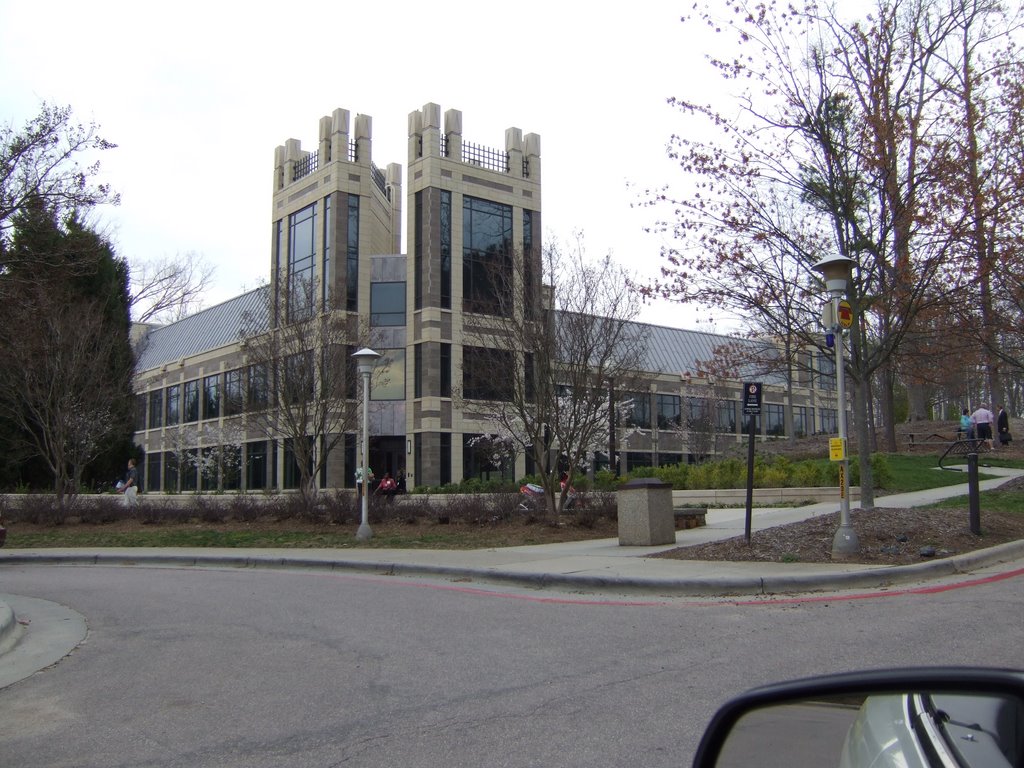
(807, 474)
(100, 510)
(606, 480)
(729, 473)
(155, 513)
(881, 471)
(245, 508)
(675, 475)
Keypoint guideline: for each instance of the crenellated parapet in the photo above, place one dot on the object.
(340, 140)
(428, 138)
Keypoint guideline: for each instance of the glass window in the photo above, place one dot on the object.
(189, 471)
(417, 371)
(208, 468)
(325, 269)
(173, 406)
(299, 377)
(486, 255)
(156, 408)
(211, 397)
(479, 373)
(292, 476)
(480, 462)
(829, 420)
(669, 415)
(669, 459)
(256, 465)
(639, 414)
(417, 254)
(445, 459)
(529, 273)
(446, 369)
(390, 383)
(725, 417)
(387, 304)
(141, 407)
(826, 372)
(234, 395)
(638, 459)
(803, 421)
(257, 389)
(446, 249)
(776, 419)
(170, 472)
(153, 471)
(301, 257)
(698, 412)
(190, 406)
(529, 378)
(352, 255)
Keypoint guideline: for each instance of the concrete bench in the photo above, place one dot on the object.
(693, 517)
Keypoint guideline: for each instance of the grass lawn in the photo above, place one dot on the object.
(919, 472)
(991, 501)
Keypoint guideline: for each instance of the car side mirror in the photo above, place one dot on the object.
(915, 718)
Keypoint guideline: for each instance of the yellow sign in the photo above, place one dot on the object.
(842, 481)
(836, 449)
(845, 314)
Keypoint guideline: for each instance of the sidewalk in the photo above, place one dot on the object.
(595, 565)
(50, 631)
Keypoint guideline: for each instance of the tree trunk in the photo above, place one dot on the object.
(864, 440)
(888, 405)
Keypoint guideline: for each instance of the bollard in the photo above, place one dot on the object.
(646, 517)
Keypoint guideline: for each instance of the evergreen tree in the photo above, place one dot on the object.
(65, 356)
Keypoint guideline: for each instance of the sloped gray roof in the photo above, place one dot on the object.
(207, 329)
(675, 350)
(668, 350)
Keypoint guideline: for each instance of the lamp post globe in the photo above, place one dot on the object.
(365, 359)
(836, 271)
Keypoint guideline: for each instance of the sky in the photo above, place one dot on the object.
(198, 95)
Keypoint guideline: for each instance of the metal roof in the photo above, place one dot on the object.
(675, 350)
(206, 330)
(668, 350)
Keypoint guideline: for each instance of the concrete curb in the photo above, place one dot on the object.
(8, 627)
(789, 581)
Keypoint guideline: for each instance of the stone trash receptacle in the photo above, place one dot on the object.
(645, 513)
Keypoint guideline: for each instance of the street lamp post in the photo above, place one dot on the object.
(836, 271)
(365, 359)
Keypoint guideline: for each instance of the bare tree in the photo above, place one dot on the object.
(39, 164)
(310, 379)
(167, 289)
(538, 364)
(841, 140)
(63, 395)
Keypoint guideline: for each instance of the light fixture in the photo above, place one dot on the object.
(837, 270)
(365, 359)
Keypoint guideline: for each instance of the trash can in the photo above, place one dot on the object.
(646, 518)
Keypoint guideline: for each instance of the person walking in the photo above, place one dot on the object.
(983, 419)
(1003, 426)
(130, 487)
(966, 426)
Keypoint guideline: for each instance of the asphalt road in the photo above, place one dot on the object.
(288, 668)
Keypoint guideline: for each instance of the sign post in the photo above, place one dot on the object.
(751, 409)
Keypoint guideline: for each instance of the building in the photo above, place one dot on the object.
(334, 249)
